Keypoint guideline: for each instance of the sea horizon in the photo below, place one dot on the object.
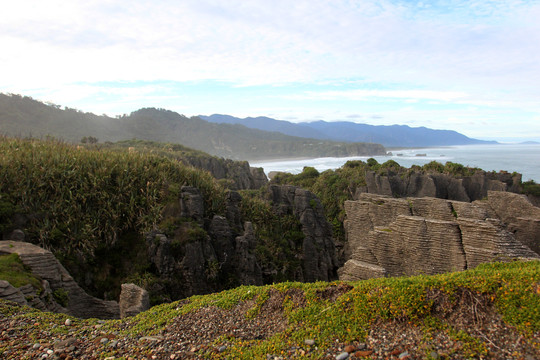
(520, 158)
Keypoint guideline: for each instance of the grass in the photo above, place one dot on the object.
(13, 270)
(513, 289)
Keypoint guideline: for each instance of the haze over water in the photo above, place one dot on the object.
(521, 158)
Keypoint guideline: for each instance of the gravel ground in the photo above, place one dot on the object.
(209, 332)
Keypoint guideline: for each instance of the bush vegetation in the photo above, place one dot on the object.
(75, 199)
(91, 205)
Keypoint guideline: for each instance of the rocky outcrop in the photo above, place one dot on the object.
(364, 216)
(203, 255)
(394, 237)
(8, 292)
(258, 178)
(516, 211)
(60, 293)
(238, 173)
(318, 249)
(249, 271)
(56, 280)
(444, 186)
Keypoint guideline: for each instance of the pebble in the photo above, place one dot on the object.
(152, 338)
(222, 348)
(68, 322)
(342, 356)
(114, 343)
(104, 340)
(36, 346)
(363, 353)
(309, 342)
(404, 355)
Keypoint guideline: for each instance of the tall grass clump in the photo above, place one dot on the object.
(74, 200)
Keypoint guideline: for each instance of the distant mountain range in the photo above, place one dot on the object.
(389, 136)
(24, 116)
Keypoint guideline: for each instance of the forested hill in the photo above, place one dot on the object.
(24, 116)
(391, 136)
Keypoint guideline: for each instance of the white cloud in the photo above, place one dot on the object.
(365, 95)
(483, 53)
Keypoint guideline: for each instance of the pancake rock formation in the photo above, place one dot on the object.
(409, 236)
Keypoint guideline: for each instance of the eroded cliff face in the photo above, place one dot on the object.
(205, 255)
(420, 184)
(394, 237)
(239, 174)
(318, 249)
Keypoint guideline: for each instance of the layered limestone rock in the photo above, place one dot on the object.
(421, 184)
(60, 293)
(44, 265)
(8, 292)
(521, 217)
(248, 269)
(202, 255)
(394, 237)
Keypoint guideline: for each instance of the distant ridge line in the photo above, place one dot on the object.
(387, 135)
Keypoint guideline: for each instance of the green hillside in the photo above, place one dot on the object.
(490, 312)
(23, 116)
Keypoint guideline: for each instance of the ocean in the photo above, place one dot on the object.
(521, 158)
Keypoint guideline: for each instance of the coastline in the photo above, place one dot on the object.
(520, 158)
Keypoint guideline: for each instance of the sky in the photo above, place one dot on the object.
(472, 66)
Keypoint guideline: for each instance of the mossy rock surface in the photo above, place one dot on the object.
(16, 273)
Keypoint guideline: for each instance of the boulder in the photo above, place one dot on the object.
(133, 300)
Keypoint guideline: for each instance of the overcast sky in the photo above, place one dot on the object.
(470, 66)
